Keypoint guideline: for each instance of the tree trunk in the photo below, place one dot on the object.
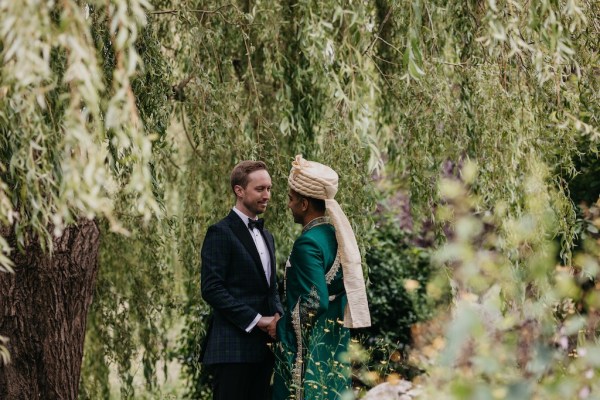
(43, 311)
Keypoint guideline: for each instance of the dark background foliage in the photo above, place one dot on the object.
(399, 273)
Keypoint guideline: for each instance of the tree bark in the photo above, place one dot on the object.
(43, 311)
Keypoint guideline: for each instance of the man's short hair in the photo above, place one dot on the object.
(239, 175)
(317, 204)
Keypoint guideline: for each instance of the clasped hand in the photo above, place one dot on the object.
(269, 325)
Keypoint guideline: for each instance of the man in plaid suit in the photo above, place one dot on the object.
(238, 282)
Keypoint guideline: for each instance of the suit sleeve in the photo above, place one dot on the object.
(215, 258)
(307, 288)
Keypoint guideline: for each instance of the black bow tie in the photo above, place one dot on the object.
(258, 224)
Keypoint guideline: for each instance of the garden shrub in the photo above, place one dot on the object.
(399, 272)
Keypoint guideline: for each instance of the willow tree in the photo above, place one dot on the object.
(506, 83)
(75, 152)
(119, 125)
(129, 159)
(512, 85)
(261, 80)
(427, 82)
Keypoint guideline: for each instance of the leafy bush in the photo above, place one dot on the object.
(522, 327)
(398, 276)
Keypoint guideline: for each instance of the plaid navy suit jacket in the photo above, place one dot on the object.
(234, 284)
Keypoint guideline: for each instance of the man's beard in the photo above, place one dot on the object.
(255, 208)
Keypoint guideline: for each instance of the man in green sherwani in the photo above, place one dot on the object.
(324, 291)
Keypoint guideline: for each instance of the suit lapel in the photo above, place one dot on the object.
(242, 232)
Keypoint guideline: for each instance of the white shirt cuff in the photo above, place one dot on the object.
(253, 323)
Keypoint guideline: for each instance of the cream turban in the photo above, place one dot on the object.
(312, 179)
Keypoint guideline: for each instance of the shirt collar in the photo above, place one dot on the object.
(243, 216)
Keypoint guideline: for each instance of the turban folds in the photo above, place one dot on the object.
(312, 179)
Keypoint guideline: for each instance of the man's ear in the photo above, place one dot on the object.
(238, 190)
(305, 204)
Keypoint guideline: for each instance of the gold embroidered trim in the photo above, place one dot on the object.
(287, 265)
(315, 222)
(333, 270)
(297, 370)
(310, 306)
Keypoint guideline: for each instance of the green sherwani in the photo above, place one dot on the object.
(312, 339)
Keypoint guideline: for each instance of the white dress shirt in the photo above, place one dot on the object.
(263, 252)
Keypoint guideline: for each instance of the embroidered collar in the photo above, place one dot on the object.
(315, 222)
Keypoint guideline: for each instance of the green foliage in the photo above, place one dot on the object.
(502, 82)
(59, 113)
(521, 326)
(73, 141)
(399, 274)
(133, 115)
(585, 186)
(130, 318)
(243, 96)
